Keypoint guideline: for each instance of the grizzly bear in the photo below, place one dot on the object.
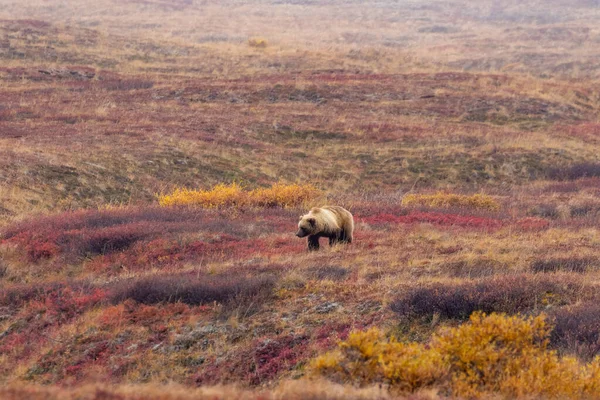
(333, 222)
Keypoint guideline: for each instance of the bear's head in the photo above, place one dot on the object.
(306, 226)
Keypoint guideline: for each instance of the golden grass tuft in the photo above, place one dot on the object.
(441, 199)
(234, 195)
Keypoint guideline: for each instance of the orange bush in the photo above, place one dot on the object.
(495, 354)
(282, 195)
(257, 42)
(221, 195)
(233, 195)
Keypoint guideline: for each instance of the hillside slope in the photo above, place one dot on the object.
(464, 138)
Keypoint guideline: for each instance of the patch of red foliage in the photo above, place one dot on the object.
(54, 292)
(72, 361)
(263, 362)
(60, 306)
(95, 353)
(164, 253)
(43, 307)
(45, 244)
(436, 218)
(12, 341)
(532, 224)
(131, 312)
(138, 236)
(326, 336)
(38, 249)
(272, 356)
(586, 130)
(92, 232)
(157, 253)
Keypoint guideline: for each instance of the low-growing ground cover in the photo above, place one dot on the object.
(229, 295)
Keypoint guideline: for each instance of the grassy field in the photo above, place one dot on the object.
(463, 136)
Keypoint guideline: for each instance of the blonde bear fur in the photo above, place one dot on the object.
(333, 222)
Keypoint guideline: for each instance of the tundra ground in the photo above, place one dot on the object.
(465, 141)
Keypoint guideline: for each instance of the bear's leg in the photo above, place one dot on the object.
(313, 243)
(333, 240)
(343, 237)
(348, 233)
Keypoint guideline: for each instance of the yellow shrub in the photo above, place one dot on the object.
(219, 196)
(233, 195)
(282, 195)
(410, 366)
(489, 351)
(440, 199)
(257, 42)
(367, 357)
(494, 354)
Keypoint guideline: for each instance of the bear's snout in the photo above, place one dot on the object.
(300, 233)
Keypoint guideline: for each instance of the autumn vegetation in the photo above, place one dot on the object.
(489, 355)
(155, 157)
(447, 200)
(233, 195)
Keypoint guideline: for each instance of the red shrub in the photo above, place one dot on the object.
(64, 304)
(327, 335)
(93, 232)
(90, 232)
(434, 218)
(45, 306)
(267, 359)
(163, 253)
(584, 130)
(112, 316)
(38, 250)
(10, 341)
(152, 315)
(18, 295)
(86, 242)
(272, 356)
(93, 353)
(532, 224)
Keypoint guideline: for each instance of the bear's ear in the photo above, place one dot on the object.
(312, 221)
